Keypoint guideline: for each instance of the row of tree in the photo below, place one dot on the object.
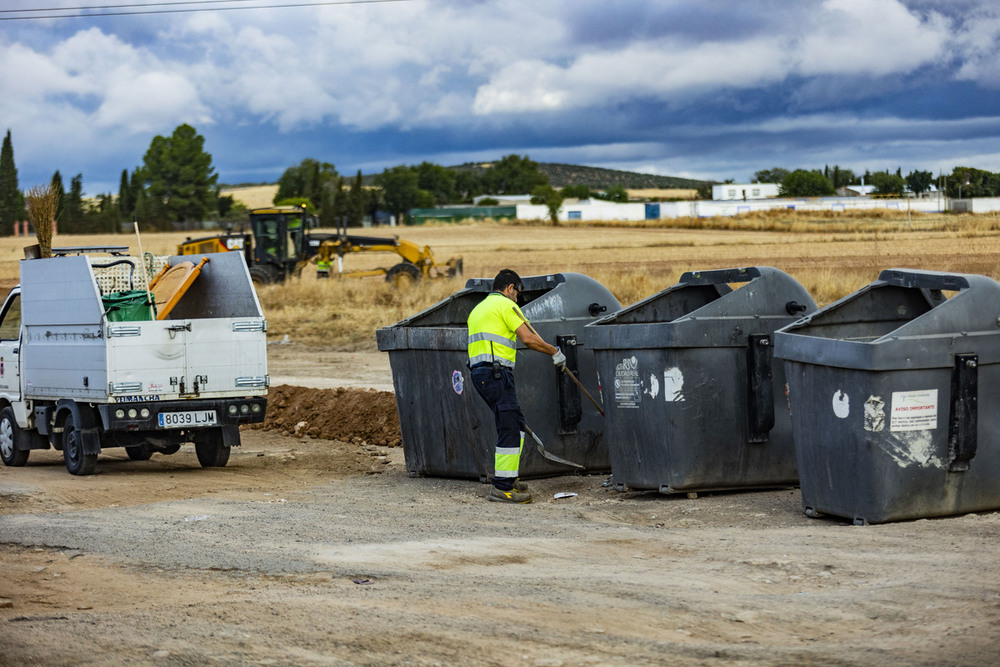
(961, 182)
(402, 188)
(177, 183)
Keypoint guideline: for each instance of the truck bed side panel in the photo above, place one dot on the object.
(63, 352)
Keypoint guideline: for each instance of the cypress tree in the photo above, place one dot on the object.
(357, 201)
(73, 204)
(126, 205)
(60, 195)
(10, 196)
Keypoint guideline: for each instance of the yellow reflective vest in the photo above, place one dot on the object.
(491, 330)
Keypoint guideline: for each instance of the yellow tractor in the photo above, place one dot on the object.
(279, 245)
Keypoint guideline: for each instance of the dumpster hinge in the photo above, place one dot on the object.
(963, 422)
(760, 387)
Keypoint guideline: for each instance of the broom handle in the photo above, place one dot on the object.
(145, 276)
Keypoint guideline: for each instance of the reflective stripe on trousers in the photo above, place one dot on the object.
(500, 394)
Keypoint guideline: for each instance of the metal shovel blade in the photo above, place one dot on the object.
(547, 455)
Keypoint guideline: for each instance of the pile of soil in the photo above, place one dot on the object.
(350, 415)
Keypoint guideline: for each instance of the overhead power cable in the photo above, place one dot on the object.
(100, 10)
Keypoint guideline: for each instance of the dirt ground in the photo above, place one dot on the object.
(307, 550)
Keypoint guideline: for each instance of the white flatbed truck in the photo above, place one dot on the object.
(75, 379)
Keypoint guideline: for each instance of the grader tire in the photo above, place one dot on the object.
(403, 275)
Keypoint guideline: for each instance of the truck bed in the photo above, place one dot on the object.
(212, 345)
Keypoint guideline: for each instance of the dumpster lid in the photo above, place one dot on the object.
(531, 283)
(901, 320)
(702, 310)
(701, 295)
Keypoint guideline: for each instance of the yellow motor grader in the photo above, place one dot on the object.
(279, 245)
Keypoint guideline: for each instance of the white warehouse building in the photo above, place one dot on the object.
(744, 191)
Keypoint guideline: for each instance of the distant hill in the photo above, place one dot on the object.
(595, 178)
(561, 175)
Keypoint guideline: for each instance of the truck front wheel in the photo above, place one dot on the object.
(77, 462)
(10, 438)
(212, 453)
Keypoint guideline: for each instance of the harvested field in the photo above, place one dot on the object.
(314, 546)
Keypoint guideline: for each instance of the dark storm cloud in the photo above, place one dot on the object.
(710, 90)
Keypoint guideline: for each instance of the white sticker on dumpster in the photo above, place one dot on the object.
(914, 410)
(628, 388)
(673, 385)
(654, 386)
(841, 404)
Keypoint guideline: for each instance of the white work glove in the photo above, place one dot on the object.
(559, 359)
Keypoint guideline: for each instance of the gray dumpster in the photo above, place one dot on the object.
(448, 430)
(693, 401)
(883, 388)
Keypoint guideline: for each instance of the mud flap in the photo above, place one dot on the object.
(230, 436)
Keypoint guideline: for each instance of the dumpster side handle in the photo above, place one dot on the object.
(570, 410)
(963, 421)
(760, 386)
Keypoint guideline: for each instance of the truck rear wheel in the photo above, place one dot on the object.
(210, 450)
(77, 462)
(10, 437)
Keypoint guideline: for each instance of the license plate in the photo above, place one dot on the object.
(189, 418)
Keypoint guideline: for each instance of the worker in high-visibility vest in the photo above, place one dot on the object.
(495, 326)
(323, 267)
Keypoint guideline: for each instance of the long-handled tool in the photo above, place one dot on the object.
(547, 454)
(583, 389)
(573, 377)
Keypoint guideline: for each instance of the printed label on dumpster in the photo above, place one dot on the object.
(914, 410)
(628, 388)
(457, 381)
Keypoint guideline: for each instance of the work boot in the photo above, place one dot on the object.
(520, 486)
(512, 496)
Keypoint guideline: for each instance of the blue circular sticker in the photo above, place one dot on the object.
(457, 381)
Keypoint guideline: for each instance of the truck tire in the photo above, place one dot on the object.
(403, 275)
(210, 450)
(10, 437)
(77, 462)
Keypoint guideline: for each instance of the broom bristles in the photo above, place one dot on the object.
(41, 202)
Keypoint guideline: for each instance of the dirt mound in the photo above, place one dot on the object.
(349, 415)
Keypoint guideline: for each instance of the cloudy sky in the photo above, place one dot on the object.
(708, 89)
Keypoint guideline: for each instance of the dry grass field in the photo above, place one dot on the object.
(254, 196)
(664, 194)
(830, 255)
